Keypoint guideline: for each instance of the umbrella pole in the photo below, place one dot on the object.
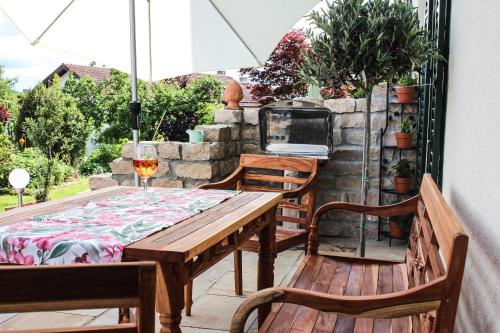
(135, 105)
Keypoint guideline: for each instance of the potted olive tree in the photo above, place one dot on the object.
(403, 173)
(406, 89)
(361, 43)
(403, 137)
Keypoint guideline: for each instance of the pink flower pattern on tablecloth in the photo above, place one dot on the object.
(99, 230)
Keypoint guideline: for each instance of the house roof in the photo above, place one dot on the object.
(99, 74)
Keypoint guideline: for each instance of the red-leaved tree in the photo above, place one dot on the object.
(279, 78)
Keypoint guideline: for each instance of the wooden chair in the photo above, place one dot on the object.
(345, 294)
(82, 286)
(253, 175)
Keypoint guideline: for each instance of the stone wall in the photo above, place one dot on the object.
(237, 131)
(181, 164)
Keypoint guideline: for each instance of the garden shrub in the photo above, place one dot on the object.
(99, 160)
(6, 152)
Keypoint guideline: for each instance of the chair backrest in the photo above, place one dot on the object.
(267, 173)
(82, 286)
(437, 247)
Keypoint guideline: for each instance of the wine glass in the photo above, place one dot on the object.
(145, 162)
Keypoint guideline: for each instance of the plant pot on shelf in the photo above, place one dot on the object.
(403, 140)
(402, 185)
(405, 94)
(396, 230)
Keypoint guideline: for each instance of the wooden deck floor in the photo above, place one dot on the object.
(215, 286)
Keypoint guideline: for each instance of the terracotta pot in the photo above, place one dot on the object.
(233, 94)
(396, 230)
(403, 140)
(405, 94)
(402, 185)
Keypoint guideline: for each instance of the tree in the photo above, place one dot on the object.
(279, 78)
(53, 124)
(85, 91)
(8, 97)
(167, 109)
(361, 43)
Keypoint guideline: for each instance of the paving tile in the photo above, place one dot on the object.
(214, 312)
(109, 317)
(6, 316)
(25, 321)
(86, 312)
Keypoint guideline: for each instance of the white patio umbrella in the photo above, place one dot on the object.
(157, 39)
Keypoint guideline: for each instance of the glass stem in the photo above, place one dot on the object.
(145, 183)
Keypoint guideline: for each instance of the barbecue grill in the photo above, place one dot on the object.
(296, 131)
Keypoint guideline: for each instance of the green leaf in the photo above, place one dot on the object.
(60, 249)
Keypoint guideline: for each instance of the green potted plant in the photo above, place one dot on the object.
(403, 176)
(399, 225)
(403, 137)
(361, 43)
(405, 91)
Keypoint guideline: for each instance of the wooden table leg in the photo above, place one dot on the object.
(170, 296)
(267, 253)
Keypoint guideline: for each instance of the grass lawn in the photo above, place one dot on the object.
(61, 191)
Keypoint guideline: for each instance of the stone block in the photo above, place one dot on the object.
(307, 102)
(349, 120)
(235, 132)
(214, 133)
(122, 166)
(163, 182)
(128, 150)
(395, 108)
(196, 151)
(360, 105)
(130, 181)
(196, 170)
(379, 104)
(250, 148)
(352, 136)
(228, 166)
(228, 116)
(340, 105)
(251, 116)
(337, 137)
(380, 90)
(410, 108)
(169, 149)
(378, 120)
(163, 169)
(218, 150)
(250, 133)
(97, 182)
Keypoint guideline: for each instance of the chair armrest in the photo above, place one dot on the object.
(301, 190)
(393, 305)
(225, 184)
(400, 208)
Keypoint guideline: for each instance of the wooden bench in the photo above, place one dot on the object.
(342, 294)
(81, 286)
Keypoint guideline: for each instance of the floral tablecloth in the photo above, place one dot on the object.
(98, 231)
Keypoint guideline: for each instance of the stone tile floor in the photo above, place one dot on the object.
(213, 295)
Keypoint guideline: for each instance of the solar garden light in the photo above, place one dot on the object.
(19, 178)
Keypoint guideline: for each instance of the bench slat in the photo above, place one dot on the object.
(353, 288)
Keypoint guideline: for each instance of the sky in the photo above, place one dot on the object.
(29, 65)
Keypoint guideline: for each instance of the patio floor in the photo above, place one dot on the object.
(213, 295)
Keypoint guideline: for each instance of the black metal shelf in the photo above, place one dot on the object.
(390, 100)
(393, 191)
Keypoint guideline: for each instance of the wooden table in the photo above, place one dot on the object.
(188, 248)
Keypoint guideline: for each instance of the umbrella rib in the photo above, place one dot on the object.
(235, 32)
(37, 40)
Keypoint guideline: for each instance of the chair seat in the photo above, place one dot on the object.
(285, 239)
(340, 276)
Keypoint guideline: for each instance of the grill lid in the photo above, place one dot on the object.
(296, 131)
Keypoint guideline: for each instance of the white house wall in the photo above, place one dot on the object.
(471, 174)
